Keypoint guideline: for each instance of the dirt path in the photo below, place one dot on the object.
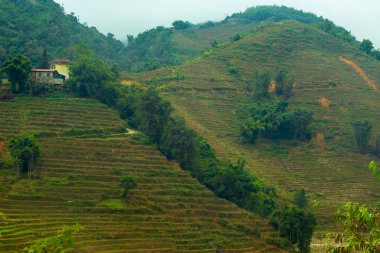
(361, 72)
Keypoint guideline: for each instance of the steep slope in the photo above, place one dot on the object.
(332, 79)
(30, 26)
(78, 181)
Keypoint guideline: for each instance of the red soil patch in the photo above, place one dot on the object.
(325, 103)
(321, 140)
(361, 72)
(272, 87)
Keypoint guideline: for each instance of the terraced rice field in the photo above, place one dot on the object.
(56, 116)
(78, 181)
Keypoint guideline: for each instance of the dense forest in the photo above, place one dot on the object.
(30, 27)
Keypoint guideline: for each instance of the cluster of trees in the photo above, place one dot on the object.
(367, 47)
(25, 153)
(260, 85)
(150, 50)
(17, 69)
(275, 121)
(148, 112)
(30, 27)
(362, 134)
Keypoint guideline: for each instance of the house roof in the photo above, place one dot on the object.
(44, 70)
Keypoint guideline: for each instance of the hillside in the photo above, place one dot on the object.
(333, 79)
(160, 46)
(30, 26)
(85, 155)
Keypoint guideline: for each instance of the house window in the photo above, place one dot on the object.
(39, 74)
(48, 74)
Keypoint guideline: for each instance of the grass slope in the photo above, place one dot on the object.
(328, 167)
(79, 179)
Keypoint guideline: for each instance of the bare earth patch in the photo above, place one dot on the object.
(361, 72)
(325, 103)
(321, 140)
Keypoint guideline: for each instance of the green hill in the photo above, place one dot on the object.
(30, 26)
(85, 155)
(333, 79)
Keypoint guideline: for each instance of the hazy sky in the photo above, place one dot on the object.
(122, 17)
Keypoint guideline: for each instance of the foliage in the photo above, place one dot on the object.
(17, 69)
(298, 226)
(153, 114)
(150, 50)
(30, 27)
(181, 25)
(57, 243)
(261, 84)
(362, 133)
(91, 77)
(25, 152)
(374, 169)
(179, 143)
(273, 121)
(206, 25)
(275, 13)
(250, 130)
(127, 183)
(284, 85)
(300, 198)
(361, 230)
(367, 46)
(299, 120)
(44, 62)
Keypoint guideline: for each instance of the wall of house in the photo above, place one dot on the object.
(62, 69)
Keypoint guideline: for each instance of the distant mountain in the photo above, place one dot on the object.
(161, 46)
(31, 26)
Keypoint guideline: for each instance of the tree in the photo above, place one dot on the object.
(18, 70)
(297, 226)
(299, 120)
(89, 75)
(251, 129)
(153, 113)
(57, 243)
(362, 133)
(361, 230)
(181, 25)
(179, 143)
(361, 226)
(300, 198)
(44, 63)
(261, 83)
(366, 46)
(25, 153)
(284, 86)
(128, 183)
(376, 54)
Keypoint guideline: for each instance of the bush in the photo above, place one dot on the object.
(362, 133)
(127, 183)
(25, 152)
(181, 25)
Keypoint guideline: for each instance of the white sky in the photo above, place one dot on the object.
(122, 17)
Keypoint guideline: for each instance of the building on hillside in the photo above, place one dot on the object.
(62, 66)
(47, 76)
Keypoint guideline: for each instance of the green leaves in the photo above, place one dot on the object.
(25, 152)
(17, 69)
